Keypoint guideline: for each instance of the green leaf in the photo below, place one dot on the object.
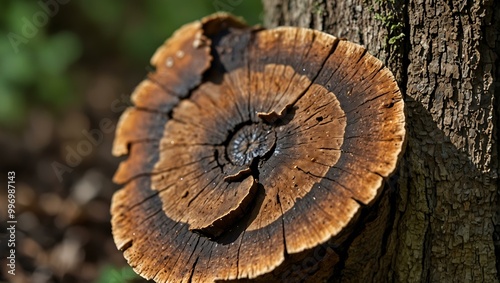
(16, 67)
(58, 53)
(16, 13)
(111, 274)
(56, 91)
(12, 107)
(396, 38)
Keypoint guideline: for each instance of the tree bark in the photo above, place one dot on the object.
(437, 220)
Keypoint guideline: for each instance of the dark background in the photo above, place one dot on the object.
(66, 68)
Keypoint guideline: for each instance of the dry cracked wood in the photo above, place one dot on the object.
(247, 146)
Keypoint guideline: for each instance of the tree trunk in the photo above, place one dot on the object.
(437, 219)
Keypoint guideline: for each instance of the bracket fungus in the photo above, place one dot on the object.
(247, 146)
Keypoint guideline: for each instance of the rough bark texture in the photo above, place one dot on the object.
(438, 219)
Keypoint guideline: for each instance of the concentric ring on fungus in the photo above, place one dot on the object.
(247, 146)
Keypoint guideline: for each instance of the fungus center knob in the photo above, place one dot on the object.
(249, 142)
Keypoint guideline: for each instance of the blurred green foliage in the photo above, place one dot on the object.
(48, 58)
(33, 63)
(140, 27)
(113, 274)
(39, 67)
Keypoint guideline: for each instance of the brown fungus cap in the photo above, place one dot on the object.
(249, 145)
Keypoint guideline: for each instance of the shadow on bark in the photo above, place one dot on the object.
(398, 239)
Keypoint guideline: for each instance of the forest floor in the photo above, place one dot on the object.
(63, 170)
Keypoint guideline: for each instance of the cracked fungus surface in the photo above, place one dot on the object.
(249, 145)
